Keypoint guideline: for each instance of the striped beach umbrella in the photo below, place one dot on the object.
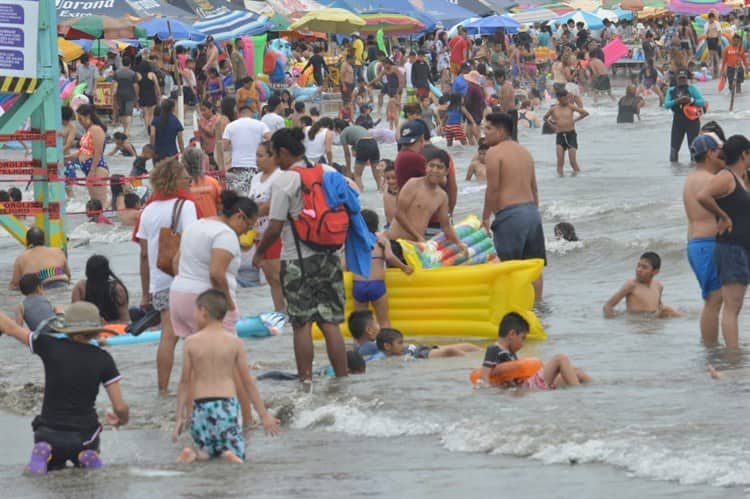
(391, 23)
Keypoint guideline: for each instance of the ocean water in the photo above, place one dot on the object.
(653, 424)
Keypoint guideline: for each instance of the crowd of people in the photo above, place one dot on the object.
(267, 168)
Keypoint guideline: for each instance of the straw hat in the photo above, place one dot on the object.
(80, 317)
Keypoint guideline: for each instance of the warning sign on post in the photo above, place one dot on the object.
(19, 24)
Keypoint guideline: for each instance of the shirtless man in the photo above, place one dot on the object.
(50, 264)
(562, 119)
(512, 196)
(600, 74)
(709, 157)
(642, 294)
(346, 77)
(210, 358)
(418, 200)
(508, 100)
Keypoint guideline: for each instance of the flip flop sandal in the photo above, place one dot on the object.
(41, 454)
(89, 459)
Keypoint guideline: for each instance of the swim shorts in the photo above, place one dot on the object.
(601, 83)
(314, 288)
(215, 426)
(125, 106)
(735, 73)
(732, 263)
(66, 445)
(367, 150)
(713, 44)
(518, 233)
(454, 132)
(567, 140)
(701, 257)
(537, 381)
(368, 291)
(160, 300)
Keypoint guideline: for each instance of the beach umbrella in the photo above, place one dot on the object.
(68, 50)
(391, 23)
(609, 14)
(329, 20)
(591, 21)
(633, 5)
(164, 28)
(232, 24)
(488, 25)
(586, 5)
(96, 27)
(534, 15)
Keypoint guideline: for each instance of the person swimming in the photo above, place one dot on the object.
(566, 231)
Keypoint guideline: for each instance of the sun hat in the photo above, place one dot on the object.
(80, 317)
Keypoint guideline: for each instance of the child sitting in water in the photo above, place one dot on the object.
(129, 216)
(35, 307)
(390, 343)
(556, 372)
(642, 294)
(478, 167)
(95, 212)
(139, 164)
(566, 231)
(390, 190)
(122, 145)
(372, 290)
(364, 330)
(211, 358)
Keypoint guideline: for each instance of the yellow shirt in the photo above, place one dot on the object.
(359, 49)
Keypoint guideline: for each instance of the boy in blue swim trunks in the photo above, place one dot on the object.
(372, 290)
(210, 358)
(709, 158)
(390, 343)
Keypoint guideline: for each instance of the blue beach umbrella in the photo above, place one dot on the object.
(164, 27)
(489, 24)
(591, 21)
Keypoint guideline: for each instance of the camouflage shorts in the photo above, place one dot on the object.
(318, 296)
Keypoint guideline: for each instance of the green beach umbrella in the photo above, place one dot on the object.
(99, 27)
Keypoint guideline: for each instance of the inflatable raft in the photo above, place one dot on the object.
(261, 326)
(458, 301)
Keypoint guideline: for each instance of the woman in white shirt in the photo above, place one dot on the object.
(171, 184)
(210, 258)
(318, 141)
(260, 192)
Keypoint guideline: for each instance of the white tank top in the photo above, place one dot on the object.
(315, 148)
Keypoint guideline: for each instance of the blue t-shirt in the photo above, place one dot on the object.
(367, 348)
(165, 141)
(460, 85)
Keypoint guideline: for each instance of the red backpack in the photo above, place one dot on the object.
(319, 226)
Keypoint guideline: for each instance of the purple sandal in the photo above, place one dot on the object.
(40, 456)
(89, 459)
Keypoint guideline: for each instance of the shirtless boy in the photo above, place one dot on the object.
(210, 358)
(511, 196)
(478, 167)
(419, 200)
(390, 190)
(709, 157)
(642, 294)
(562, 119)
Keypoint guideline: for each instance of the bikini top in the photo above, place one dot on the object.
(86, 145)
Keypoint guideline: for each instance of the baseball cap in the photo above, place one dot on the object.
(355, 33)
(683, 73)
(411, 132)
(704, 143)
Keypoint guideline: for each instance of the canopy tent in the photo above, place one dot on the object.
(488, 25)
(209, 8)
(233, 24)
(478, 7)
(134, 9)
(164, 28)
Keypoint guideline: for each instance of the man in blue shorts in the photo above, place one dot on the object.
(512, 196)
(709, 157)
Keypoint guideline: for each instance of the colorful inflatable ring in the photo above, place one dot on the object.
(119, 328)
(465, 301)
(264, 91)
(67, 90)
(521, 369)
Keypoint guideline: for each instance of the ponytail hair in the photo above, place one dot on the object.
(289, 139)
(324, 122)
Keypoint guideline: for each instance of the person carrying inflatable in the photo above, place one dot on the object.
(502, 367)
